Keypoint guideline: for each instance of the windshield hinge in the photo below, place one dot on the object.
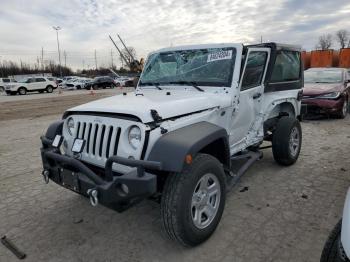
(156, 117)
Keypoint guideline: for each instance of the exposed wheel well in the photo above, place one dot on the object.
(280, 110)
(288, 108)
(22, 87)
(218, 149)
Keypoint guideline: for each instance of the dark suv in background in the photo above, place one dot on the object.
(101, 82)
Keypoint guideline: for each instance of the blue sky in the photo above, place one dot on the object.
(26, 26)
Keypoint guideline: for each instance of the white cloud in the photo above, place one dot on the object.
(26, 26)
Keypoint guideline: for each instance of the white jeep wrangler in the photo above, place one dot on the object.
(197, 113)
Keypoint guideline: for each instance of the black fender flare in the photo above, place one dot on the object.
(54, 129)
(171, 149)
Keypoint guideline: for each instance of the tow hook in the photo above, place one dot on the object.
(93, 197)
(46, 176)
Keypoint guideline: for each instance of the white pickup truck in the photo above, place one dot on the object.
(196, 113)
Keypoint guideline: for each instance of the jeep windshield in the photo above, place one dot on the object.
(197, 67)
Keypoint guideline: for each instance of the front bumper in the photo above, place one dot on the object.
(110, 189)
(315, 105)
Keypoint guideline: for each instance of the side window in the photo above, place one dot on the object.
(6, 80)
(287, 67)
(40, 80)
(254, 70)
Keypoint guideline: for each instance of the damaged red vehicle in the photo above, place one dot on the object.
(326, 90)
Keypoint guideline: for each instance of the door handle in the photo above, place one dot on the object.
(256, 96)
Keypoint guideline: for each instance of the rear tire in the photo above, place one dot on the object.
(22, 91)
(286, 141)
(332, 250)
(193, 201)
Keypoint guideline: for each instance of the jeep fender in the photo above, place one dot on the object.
(54, 129)
(171, 149)
(289, 106)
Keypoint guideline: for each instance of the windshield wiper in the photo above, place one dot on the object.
(190, 83)
(151, 84)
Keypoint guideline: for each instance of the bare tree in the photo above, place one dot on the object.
(342, 37)
(126, 54)
(324, 42)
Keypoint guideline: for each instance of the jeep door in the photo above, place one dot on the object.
(250, 96)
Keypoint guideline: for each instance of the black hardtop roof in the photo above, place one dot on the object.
(277, 46)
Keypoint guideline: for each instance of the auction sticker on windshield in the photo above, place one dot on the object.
(221, 55)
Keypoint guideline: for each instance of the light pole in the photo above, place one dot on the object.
(57, 28)
(2, 68)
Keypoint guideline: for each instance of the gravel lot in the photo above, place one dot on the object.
(285, 215)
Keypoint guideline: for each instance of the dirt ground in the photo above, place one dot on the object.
(36, 105)
(285, 214)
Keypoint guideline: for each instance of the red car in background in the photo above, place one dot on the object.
(326, 90)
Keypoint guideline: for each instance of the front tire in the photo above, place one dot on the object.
(286, 141)
(22, 91)
(193, 201)
(344, 111)
(333, 250)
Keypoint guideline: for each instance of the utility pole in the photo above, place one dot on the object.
(65, 58)
(261, 40)
(83, 64)
(42, 58)
(111, 58)
(95, 60)
(2, 67)
(57, 28)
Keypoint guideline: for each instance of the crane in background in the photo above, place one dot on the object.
(135, 65)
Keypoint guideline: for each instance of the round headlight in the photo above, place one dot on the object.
(134, 137)
(70, 126)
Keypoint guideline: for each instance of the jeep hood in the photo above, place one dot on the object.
(177, 103)
(311, 89)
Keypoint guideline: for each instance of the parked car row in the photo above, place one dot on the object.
(48, 84)
(76, 83)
